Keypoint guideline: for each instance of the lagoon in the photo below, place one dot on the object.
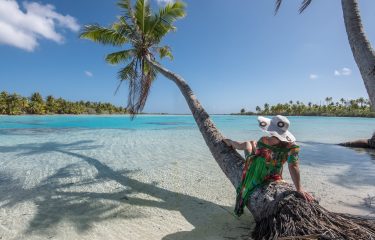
(89, 177)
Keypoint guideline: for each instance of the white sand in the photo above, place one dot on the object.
(79, 189)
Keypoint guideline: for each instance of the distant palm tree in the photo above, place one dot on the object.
(266, 108)
(51, 105)
(140, 31)
(258, 109)
(4, 102)
(361, 101)
(328, 100)
(363, 52)
(37, 105)
(243, 110)
(343, 101)
(14, 104)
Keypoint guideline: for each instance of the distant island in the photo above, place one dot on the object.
(15, 104)
(343, 108)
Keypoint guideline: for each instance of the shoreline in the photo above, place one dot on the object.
(178, 114)
(324, 115)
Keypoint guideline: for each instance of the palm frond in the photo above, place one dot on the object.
(277, 5)
(162, 22)
(127, 29)
(139, 74)
(171, 12)
(103, 35)
(148, 76)
(118, 57)
(165, 52)
(142, 12)
(128, 72)
(304, 5)
(126, 6)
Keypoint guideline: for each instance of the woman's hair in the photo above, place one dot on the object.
(283, 144)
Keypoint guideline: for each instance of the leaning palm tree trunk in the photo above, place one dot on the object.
(279, 211)
(228, 159)
(364, 56)
(362, 50)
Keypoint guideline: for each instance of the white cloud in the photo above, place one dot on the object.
(23, 29)
(346, 71)
(343, 72)
(89, 74)
(313, 76)
(162, 2)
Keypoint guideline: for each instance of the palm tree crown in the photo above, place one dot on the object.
(140, 31)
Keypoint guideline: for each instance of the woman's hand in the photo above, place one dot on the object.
(308, 197)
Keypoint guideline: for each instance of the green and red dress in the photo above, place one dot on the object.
(263, 165)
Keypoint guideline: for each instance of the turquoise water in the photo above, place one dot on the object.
(314, 129)
(45, 161)
(152, 141)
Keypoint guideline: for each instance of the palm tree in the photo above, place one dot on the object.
(361, 101)
(258, 109)
(51, 105)
(14, 104)
(3, 102)
(37, 105)
(343, 101)
(363, 52)
(266, 108)
(140, 31)
(243, 110)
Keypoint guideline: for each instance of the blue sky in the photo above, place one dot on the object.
(235, 54)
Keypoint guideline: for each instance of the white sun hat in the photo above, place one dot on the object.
(277, 127)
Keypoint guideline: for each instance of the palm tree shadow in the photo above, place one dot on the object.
(58, 198)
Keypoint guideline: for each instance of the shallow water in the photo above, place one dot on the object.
(75, 175)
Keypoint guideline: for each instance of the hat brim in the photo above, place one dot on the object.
(285, 137)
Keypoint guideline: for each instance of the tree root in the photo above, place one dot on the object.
(289, 216)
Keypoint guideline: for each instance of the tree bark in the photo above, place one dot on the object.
(364, 56)
(278, 210)
(362, 50)
(361, 143)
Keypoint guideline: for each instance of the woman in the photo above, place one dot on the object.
(265, 159)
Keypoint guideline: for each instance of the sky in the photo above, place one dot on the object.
(234, 53)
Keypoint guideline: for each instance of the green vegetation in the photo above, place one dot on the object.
(343, 108)
(15, 104)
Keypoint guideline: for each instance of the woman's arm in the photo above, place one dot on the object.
(248, 146)
(296, 177)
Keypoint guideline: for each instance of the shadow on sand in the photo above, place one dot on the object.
(57, 202)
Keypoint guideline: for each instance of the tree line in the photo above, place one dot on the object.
(15, 104)
(360, 107)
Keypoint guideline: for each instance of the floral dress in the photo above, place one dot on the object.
(262, 166)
